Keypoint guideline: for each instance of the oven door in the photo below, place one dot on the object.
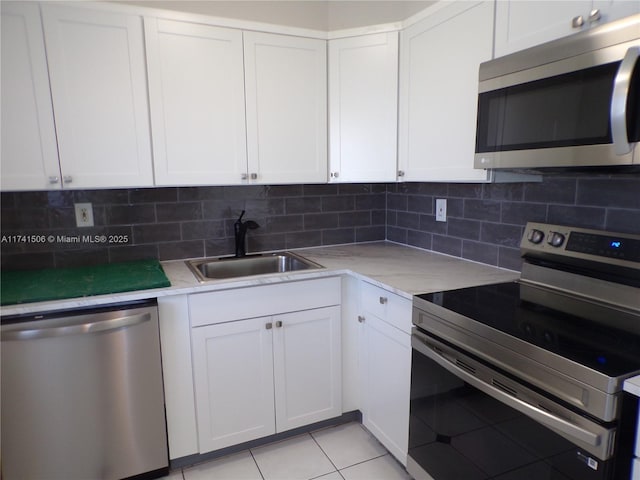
(470, 421)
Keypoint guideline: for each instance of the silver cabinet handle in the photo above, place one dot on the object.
(75, 328)
(595, 15)
(361, 318)
(383, 300)
(244, 176)
(577, 22)
(618, 114)
(269, 326)
(335, 174)
(254, 176)
(54, 180)
(67, 179)
(279, 324)
(401, 173)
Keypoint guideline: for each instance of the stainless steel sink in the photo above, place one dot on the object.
(233, 267)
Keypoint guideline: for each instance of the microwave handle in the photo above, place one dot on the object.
(618, 112)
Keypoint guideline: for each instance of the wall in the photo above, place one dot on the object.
(485, 222)
(173, 223)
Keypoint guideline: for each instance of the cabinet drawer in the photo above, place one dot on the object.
(387, 306)
(228, 305)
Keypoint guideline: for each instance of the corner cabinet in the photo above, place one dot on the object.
(268, 365)
(363, 108)
(286, 98)
(196, 91)
(439, 60)
(98, 83)
(522, 24)
(29, 149)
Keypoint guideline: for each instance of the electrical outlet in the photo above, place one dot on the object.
(84, 214)
(441, 210)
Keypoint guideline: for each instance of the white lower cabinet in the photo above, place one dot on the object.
(386, 367)
(258, 376)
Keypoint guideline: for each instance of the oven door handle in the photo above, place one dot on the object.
(432, 351)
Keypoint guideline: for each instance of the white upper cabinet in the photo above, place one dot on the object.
(363, 108)
(522, 24)
(29, 150)
(286, 97)
(439, 60)
(98, 84)
(196, 91)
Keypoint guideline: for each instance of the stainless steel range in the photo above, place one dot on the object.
(524, 379)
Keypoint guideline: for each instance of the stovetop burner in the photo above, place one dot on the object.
(611, 351)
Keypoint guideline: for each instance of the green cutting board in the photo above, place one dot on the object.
(25, 286)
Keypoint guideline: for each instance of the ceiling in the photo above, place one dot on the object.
(325, 15)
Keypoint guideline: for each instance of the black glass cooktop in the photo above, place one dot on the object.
(609, 350)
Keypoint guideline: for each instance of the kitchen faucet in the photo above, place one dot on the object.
(240, 229)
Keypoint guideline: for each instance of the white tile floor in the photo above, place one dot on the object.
(344, 452)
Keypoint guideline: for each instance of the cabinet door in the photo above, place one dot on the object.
(196, 91)
(29, 150)
(439, 60)
(387, 380)
(611, 10)
(308, 381)
(98, 85)
(286, 95)
(522, 24)
(233, 376)
(363, 108)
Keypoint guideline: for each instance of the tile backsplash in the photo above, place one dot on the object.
(39, 228)
(484, 221)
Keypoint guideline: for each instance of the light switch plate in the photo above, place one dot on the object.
(84, 214)
(441, 209)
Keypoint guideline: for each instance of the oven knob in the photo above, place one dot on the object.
(556, 239)
(535, 236)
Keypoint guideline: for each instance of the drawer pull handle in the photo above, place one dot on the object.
(361, 319)
(269, 326)
(279, 324)
(383, 300)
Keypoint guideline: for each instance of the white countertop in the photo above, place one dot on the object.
(632, 385)
(398, 268)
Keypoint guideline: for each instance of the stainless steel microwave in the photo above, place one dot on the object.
(572, 102)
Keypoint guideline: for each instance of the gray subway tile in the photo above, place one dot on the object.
(102, 197)
(81, 257)
(551, 190)
(315, 221)
(577, 216)
(465, 190)
(480, 252)
(519, 213)
(133, 252)
(266, 242)
(620, 193)
(448, 245)
(461, 228)
(179, 250)
(130, 214)
(302, 205)
(503, 191)
(500, 234)
(396, 234)
(428, 224)
(338, 236)
(303, 239)
(189, 194)
(420, 203)
(419, 239)
(488, 210)
(509, 258)
(370, 234)
(178, 212)
(409, 220)
(354, 219)
(284, 190)
(344, 203)
(623, 221)
(156, 232)
(370, 202)
(397, 201)
(320, 189)
(264, 207)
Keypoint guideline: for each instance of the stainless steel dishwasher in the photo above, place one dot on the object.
(82, 395)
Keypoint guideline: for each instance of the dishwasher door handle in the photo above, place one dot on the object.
(75, 327)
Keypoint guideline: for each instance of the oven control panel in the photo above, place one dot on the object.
(615, 248)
